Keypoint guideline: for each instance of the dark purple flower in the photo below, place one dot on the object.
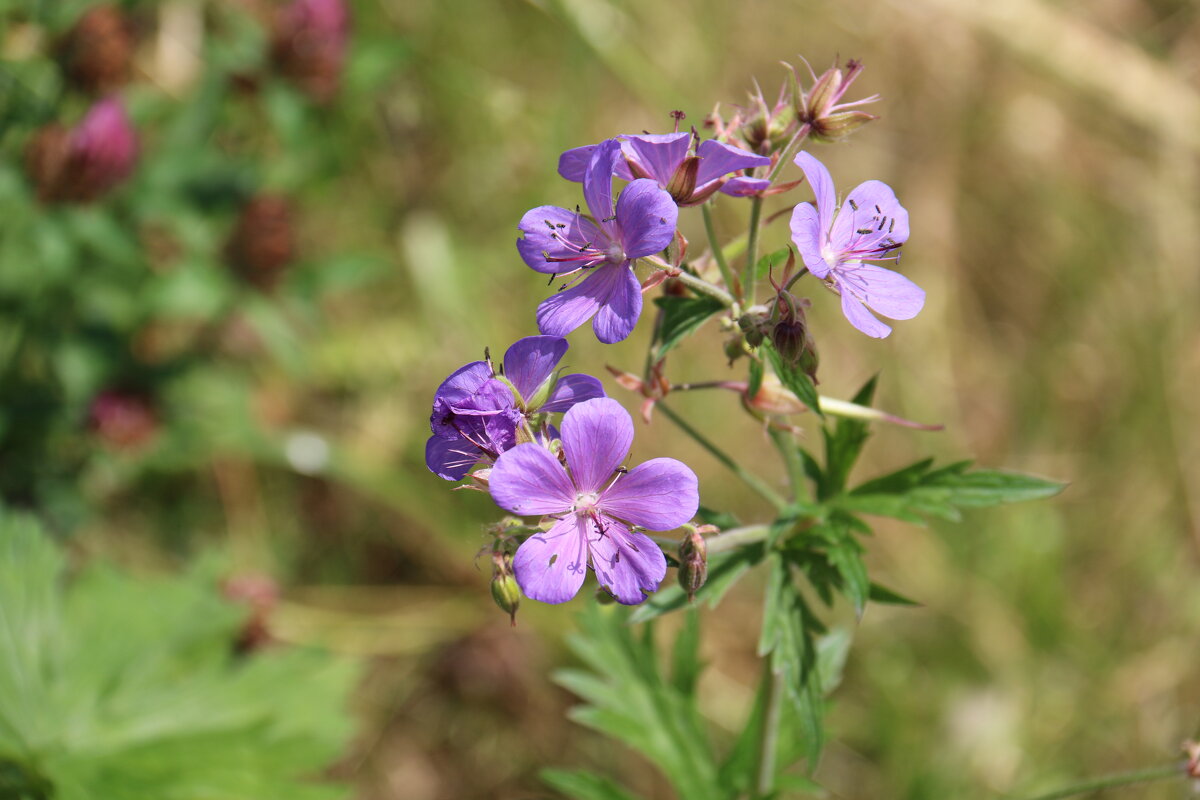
(595, 506)
(667, 160)
(834, 243)
(309, 44)
(86, 162)
(477, 411)
(603, 247)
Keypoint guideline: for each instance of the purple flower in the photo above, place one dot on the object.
(834, 243)
(560, 242)
(595, 506)
(477, 411)
(666, 160)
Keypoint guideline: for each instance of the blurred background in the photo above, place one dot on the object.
(227, 296)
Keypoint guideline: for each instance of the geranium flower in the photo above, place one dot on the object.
(477, 411)
(835, 242)
(664, 158)
(595, 504)
(561, 242)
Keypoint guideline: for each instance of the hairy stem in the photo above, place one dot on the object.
(693, 281)
(753, 481)
(748, 275)
(718, 253)
(1119, 779)
(737, 537)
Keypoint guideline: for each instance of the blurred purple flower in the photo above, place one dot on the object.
(666, 159)
(477, 411)
(595, 505)
(309, 45)
(834, 243)
(557, 242)
(87, 161)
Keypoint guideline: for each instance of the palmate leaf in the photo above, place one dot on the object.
(128, 688)
(918, 490)
(628, 698)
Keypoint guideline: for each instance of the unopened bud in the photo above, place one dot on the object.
(262, 244)
(505, 590)
(822, 107)
(734, 349)
(693, 563)
(98, 51)
(752, 326)
(123, 419)
(85, 162)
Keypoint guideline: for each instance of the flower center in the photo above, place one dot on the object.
(614, 253)
(585, 504)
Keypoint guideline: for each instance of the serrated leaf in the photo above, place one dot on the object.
(793, 378)
(584, 785)
(720, 519)
(681, 317)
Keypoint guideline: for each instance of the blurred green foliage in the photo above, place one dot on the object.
(128, 688)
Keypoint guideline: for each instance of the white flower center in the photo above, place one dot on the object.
(585, 504)
(614, 253)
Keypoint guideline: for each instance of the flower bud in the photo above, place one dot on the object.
(308, 45)
(821, 107)
(753, 327)
(97, 52)
(790, 334)
(693, 563)
(123, 419)
(505, 590)
(262, 244)
(86, 162)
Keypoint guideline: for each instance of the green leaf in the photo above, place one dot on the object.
(127, 688)
(584, 785)
(682, 316)
(626, 697)
(843, 445)
(763, 268)
(846, 557)
(916, 491)
(685, 655)
(886, 596)
(793, 378)
(721, 519)
(724, 570)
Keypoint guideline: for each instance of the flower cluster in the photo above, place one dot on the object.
(581, 508)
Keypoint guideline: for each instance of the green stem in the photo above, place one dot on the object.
(786, 445)
(1119, 779)
(753, 481)
(768, 739)
(737, 537)
(789, 150)
(692, 281)
(718, 253)
(748, 275)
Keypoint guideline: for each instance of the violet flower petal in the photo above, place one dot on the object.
(861, 318)
(630, 565)
(809, 237)
(871, 219)
(542, 237)
(659, 155)
(573, 164)
(882, 290)
(619, 312)
(822, 185)
(550, 567)
(597, 184)
(529, 481)
(572, 389)
(451, 459)
(646, 217)
(718, 159)
(596, 436)
(561, 313)
(743, 187)
(530, 362)
(659, 495)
